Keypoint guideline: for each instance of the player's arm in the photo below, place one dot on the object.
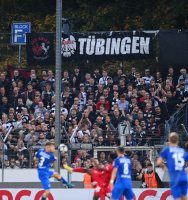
(82, 170)
(186, 169)
(186, 163)
(79, 169)
(159, 162)
(162, 157)
(113, 177)
(54, 159)
(36, 157)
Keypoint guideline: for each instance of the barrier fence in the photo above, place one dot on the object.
(178, 122)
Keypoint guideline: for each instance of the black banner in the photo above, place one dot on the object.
(173, 48)
(107, 45)
(40, 49)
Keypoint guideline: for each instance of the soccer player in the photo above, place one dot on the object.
(96, 175)
(121, 174)
(100, 176)
(107, 174)
(176, 159)
(45, 158)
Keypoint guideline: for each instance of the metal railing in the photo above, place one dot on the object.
(178, 122)
(141, 148)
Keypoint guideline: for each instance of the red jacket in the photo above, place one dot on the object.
(106, 105)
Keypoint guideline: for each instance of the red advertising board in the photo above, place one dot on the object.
(78, 194)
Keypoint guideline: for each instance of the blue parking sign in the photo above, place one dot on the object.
(18, 32)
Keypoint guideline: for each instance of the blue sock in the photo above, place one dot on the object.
(63, 181)
(43, 198)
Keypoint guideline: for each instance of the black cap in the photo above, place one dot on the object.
(47, 83)
(149, 165)
(76, 67)
(96, 124)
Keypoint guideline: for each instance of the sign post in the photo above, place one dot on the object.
(19, 54)
(18, 35)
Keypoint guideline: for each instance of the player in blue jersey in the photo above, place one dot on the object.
(45, 158)
(121, 174)
(176, 159)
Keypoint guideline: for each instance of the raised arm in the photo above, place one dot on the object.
(113, 177)
(82, 170)
(79, 169)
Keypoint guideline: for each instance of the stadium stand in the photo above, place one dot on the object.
(92, 108)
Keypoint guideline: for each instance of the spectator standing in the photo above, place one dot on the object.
(77, 77)
(4, 82)
(123, 104)
(103, 79)
(183, 75)
(151, 179)
(103, 102)
(96, 76)
(16, 76)
(40, 110)
(147, 77)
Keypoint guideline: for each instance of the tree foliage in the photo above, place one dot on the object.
(94, 15)
(97, 15)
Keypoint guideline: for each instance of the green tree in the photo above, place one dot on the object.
(93, 15)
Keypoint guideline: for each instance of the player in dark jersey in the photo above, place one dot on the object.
(176, 159)
(45, 158)
(121, 174)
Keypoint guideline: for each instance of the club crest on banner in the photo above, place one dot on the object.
(40, 48)
(89, 46)
(68, 46)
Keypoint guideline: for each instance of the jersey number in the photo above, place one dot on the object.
(126, 169)
(42, 159)
(179, 161)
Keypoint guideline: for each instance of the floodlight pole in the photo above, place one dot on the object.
(58, 65)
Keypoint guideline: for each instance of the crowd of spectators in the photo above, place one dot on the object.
(92, 106)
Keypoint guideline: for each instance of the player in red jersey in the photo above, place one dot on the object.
(101, 175)
(105, 177)
(107, 174)
(97, 177)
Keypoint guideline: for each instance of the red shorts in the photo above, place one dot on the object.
(101, 192)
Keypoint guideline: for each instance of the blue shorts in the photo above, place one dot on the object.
(120, 190)
(44, 176)
(179, 189)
